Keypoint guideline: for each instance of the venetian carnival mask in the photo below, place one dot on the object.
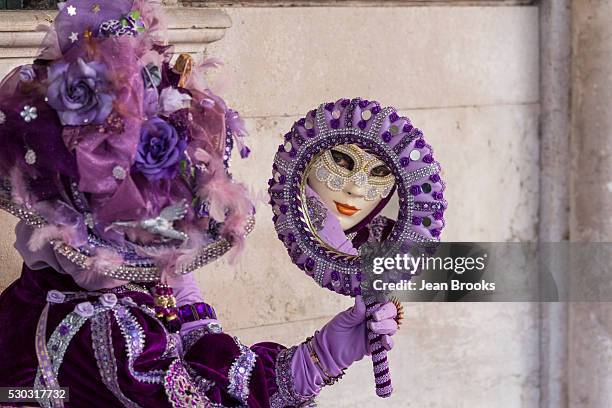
(350, 182)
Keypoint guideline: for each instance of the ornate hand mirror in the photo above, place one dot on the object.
(338, 171)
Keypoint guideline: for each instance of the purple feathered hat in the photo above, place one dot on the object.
(117, 157)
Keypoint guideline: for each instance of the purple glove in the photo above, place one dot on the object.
(340, 343)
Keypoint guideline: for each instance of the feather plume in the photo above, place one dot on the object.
(42, 236)
(105, 260)
(19, 188)
(171, 100)
(228, 201)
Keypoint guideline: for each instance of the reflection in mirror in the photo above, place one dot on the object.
(346, 190)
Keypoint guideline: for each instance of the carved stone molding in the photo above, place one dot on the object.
(190, 30)
(354, 3)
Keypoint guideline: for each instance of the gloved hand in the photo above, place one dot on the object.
(340, 343)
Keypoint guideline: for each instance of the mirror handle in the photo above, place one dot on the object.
(382, 375)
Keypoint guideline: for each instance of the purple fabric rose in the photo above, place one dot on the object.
(27, 74)
(159, 151)
(79, 92)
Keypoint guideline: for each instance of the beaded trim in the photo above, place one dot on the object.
(286, 396)
(194, 335)
(376, 227)
(240, 373)
(58, 344)
(172, 347)
(180, 389)
(138, 270)
(134, 337)
(317, 212)
(102, 343)
(130, 287)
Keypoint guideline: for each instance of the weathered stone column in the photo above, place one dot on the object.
(555, 62)
(590, 324)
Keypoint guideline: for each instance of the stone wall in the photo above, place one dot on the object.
(469, 78)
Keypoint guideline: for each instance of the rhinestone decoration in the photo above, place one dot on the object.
(58, 344)
(2, 118)
(119, 173)
(134, 337)
(286, 396)
(71, 10)
(240, 373)
(29, 113)
(335, 183)
(366, 114)
(30, 157)
(371, 194)
(102, 345)
(336, 177)
(360, 179)
(195, 335)
(336, 114)
(73, 37)
(288, 146)
(322, 174)
(309, 124)
(415, 155)
(89, 221)
(181, 389)
(317, 212)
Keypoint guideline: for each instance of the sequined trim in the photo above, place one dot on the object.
(317, 212)
(58, 344)
(102, 343)
(182, 391)
(194, 335)
(376, 227)
(140, 270)
(286, 396)
(134, 343)
(42, 354)
(130, 287)
(173, 349)
(240, 373)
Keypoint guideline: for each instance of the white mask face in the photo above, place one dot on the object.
(350, 182)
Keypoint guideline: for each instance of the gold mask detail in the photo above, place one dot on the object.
(345, 163)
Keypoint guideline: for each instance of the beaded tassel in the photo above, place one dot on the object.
(165, 307)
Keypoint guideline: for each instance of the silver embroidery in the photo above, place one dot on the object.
(134, 344)
(286, 396)
(102, 343)
(58, 344)
(194, 335)
(181, 389)
(240, 373)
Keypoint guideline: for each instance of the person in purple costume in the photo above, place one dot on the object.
(115, 160)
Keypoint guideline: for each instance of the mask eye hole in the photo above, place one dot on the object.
(343, 160)
(380, 171)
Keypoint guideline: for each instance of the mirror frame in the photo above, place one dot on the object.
(309, 137)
